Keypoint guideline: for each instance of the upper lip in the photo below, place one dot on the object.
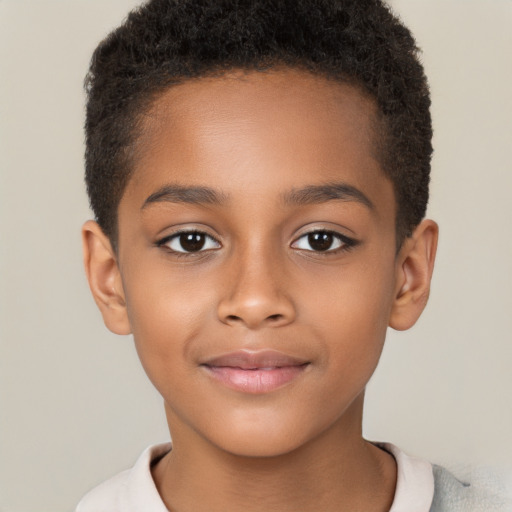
(250, 360)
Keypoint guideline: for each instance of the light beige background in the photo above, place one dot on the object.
(75, 406)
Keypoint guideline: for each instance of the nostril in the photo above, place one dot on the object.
(254, 312)
(271, 318)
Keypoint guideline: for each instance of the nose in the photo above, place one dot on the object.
(255, 295)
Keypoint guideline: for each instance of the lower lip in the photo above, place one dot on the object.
(255, 381)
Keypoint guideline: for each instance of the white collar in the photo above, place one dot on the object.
(414, 490)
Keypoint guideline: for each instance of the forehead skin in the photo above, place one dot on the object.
(286, 115)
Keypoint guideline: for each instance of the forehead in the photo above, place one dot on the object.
(254, 92)
(283, 128)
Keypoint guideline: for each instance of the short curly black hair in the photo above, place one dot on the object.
(165, 42)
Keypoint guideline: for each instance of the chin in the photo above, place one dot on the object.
(264, 446)
(261, 438)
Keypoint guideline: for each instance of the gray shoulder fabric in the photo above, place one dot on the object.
(481, 495)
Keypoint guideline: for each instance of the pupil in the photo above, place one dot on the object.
(320, 241)
(192, 242)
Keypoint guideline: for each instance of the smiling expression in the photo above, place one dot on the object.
(258, 259)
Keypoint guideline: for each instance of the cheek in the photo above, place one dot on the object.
(354, 314)
(357, 297)
(166, 314)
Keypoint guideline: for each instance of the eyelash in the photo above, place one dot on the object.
(346, 242)
(163, 243)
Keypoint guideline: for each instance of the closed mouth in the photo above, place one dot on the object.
(255, 372)
(254, 360)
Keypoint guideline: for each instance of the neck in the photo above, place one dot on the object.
(338, 471)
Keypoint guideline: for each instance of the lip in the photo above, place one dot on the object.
(255, 372)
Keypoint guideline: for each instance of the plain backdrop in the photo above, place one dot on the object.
(75, 406)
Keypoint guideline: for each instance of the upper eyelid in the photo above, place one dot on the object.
(166, 242)
(181, 231)
(346, 241)
(325, 230)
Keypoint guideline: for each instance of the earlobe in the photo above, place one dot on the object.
(104, 278)
(415, 264)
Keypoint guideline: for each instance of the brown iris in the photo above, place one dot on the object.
(192, 242)
(320, 241)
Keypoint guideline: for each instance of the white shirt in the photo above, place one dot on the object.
(134, 490)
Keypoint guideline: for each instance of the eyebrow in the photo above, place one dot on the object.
(185, 194)
(311, 194)
(314, 194)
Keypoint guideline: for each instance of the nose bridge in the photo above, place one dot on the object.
(257, 293)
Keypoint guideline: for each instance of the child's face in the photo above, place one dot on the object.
(290, 249)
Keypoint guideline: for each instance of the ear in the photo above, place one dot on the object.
(104, 278)
(415, 263)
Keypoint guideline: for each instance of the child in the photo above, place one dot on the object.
(259, 175)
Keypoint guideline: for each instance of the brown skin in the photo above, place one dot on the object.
(258, 284)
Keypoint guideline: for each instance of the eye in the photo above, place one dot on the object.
(323, 241)
(189, 241)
